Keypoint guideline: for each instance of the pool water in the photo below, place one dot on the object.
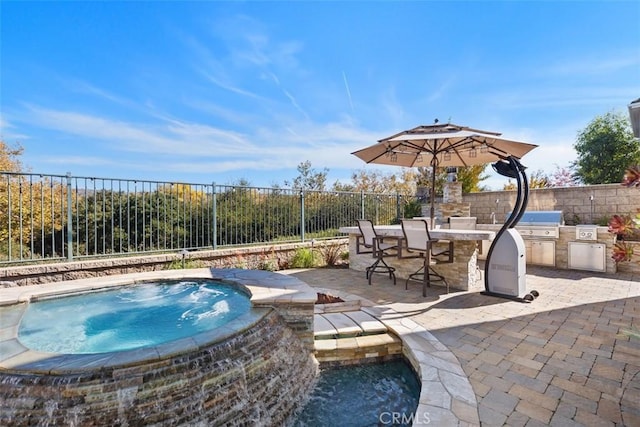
(363, 395)
(130, 317)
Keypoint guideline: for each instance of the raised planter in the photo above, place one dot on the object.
(632, 266)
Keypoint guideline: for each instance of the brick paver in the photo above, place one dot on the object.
(558, 361)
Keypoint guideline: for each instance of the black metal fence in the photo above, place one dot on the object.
(64, 217)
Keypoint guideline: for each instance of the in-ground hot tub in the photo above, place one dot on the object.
(130, 317)
(255, 368)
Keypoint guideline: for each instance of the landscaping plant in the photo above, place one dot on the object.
(626, 227)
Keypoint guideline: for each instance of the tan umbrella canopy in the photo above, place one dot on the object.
(442, 145)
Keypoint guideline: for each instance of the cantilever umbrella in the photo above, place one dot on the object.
(442, 145)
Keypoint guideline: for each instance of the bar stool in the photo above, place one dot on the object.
(418, 240)
(376, 246)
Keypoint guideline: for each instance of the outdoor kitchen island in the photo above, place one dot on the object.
(462, 274)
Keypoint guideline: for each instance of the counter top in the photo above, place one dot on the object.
(440, 234)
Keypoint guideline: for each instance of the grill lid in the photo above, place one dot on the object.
(541, 218)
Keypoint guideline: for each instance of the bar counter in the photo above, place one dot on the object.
(463, 274)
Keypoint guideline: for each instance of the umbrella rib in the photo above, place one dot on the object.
(501, 153)
(457, 153)
(409, 144)
(493, 149)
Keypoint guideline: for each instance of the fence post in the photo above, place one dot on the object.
(302, 222)
(362, 204)
(69, 219)
(9, 216)
(398, 210)
(214, 226)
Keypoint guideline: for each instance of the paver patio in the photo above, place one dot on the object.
(557, 361)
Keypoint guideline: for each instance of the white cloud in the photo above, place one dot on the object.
(442, 89)
(189, 146)
(553, 96)
(346, 86)
(8, 133)
(593, 64)
(80, 160)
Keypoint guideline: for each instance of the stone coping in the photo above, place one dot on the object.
(264, 287)
(446, 394)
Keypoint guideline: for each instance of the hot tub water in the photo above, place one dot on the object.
(129, 317)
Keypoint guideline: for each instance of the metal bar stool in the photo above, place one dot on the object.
(418, 240)
(377, 247)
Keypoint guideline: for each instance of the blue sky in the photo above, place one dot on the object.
(221, 91)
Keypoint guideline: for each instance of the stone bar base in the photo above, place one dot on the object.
(463, 274)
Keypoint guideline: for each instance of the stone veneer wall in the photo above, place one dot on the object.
(452, 204)
(277, 256)
(447, 210)
(358, 350)
(298, 317)
(568, 234)
(608, 199)
(253, 378)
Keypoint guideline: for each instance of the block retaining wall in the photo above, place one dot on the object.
(272, 257)
(575, 202)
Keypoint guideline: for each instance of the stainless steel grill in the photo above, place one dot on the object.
(540, 224)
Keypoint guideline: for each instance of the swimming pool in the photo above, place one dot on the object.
(363, 395)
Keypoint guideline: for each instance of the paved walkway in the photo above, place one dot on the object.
(558, 361)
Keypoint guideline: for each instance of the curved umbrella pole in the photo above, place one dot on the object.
(523, 188)
(515, 170)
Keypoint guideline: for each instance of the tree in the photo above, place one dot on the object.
(563, 177)
(536, 179)
(424, 177)
(606, 147)
(9, 161)
(27, 206)
(308, 178)
(376, 181)
(469, 176)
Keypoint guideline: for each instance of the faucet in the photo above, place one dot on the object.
(493, 217)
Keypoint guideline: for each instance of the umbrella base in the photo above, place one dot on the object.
(526, 299)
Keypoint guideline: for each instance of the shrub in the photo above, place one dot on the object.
(268, 265)
(331, 253)
(188, 263)
(269, 261)
(626, 227)
(304, 258)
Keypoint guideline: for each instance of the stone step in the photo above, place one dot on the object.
(346, 324)
(322, 328)
(369, 324)
(357, 348)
